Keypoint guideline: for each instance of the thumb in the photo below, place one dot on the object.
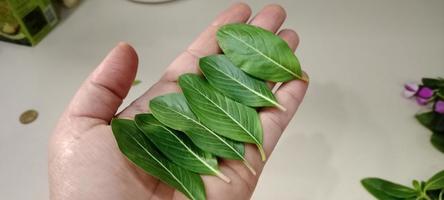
(103, 91)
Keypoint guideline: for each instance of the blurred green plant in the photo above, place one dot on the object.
(432, 189)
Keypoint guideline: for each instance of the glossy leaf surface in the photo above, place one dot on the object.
(432, 120)
(177, 147)
(386, 190)
(426, 119)
(433, 83)
(139, 150)
(220, 113)
(438, 141)
(436, 182)
(223, 75)
(173, 111)
(259, 52)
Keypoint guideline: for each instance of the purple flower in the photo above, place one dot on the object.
(421, 101)
(410, 89)
(425, 93)
(439, 106)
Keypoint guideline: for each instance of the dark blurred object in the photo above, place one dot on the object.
(27, 21)
(152, 1)
(431, 95)
(70, 3)
(28, 116)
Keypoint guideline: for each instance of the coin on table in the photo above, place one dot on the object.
(28, 116)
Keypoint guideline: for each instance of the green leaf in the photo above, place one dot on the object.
(173, 111)
(223, 75)
(438, 141)
(139, 150)
(417, 185)
(432, 120)
(136, 82)
(438, 123)
(440, 93)
(436, 195)
(426, 119)
(436, 182)
(433, 83)
(178, 148)
(259, 52)
(220, 113)
(386, 190)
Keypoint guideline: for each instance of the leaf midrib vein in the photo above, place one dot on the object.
(433, 182)
(243, 128)
(243, 85)
(262, 54)
(213, 133)
(188, 149)
(161, 164)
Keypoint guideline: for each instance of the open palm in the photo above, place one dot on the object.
(84, 160)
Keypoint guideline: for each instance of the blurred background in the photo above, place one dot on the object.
(354, 122)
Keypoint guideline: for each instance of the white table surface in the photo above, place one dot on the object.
(352, 124)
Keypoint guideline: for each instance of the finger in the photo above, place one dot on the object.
(162, 192)
(103, 91)
(206, 43)
(291, 37)
(186, 62)
(270, 17)
(252, 154)
(274, 121)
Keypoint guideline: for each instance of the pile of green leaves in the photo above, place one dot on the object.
(186, 133)
(432, 189)
(430, 92)
(434, 120)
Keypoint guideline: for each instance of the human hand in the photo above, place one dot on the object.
(84, 160)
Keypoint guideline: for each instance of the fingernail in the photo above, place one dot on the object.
(121, 44)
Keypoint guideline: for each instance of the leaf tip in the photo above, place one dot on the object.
(250, 168)
(305, 77)
(262, 152)
(281, 108)
(223, 177)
